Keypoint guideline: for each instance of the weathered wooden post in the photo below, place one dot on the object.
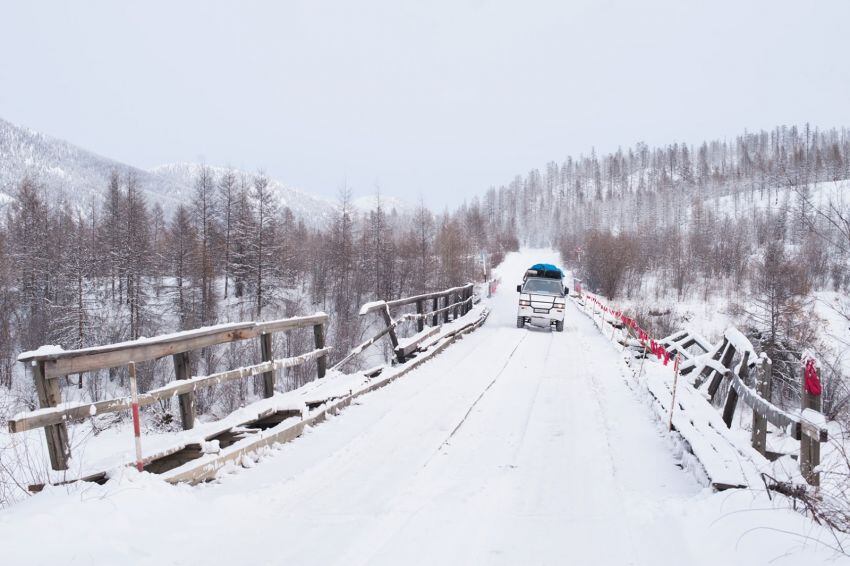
(763, 378)
(726, 361)
(50, 395)
(435, 305)
(455, 300)
(809, 446)
(319, 341)
(420, 320)
(732, 394)
(182, 370)
(446, 303)
(266, 354)
(388, 319)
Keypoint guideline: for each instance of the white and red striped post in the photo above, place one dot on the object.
(137, 427)
(673, 397)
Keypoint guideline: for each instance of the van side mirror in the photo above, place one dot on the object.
(519, 288)
(566, 290)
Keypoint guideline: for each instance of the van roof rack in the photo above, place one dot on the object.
(546, 270)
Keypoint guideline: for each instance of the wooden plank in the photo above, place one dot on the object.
(283, 431)
(38, 419)
(420, 310)
(774, 415)
(362, 346)
(267, 356)
(726, 361)
(411, 345)
(68, 362)
(705, 438)
(56, 435)
(183, 371)
(729, 406)
(172, 338)
(385, 312)
(319, 342)
(705, 372)
(759, 433)
(732, 394)
(286, 324)
(287, 431)
(411, 300)
(809, 444)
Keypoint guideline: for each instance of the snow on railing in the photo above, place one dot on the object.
(712, 365)
(463, 299)
(51, 363)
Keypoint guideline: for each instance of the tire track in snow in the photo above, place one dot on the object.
(341, 453)
(530, 408)
(474, 403)
(605, 426)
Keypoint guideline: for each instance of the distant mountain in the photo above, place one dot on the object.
(69, 172)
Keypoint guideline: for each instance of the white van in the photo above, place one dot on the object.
(543, 297)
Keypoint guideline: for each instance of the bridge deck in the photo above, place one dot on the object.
(512, 447)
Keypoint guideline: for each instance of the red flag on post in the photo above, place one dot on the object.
(812, 381)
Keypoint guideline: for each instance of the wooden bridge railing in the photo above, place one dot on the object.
(49, 365)
(448, 304)
(734, 361)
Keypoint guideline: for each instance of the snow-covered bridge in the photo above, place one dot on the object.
(509, 447)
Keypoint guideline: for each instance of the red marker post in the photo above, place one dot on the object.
(137, 427)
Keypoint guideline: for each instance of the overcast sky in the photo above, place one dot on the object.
(436, 98)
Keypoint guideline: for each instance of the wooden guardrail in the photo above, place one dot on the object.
(734, 362)
(48, 365)
(456, 301)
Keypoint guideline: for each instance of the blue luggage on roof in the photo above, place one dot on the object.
(546, 270)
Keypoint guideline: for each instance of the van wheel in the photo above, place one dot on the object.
(559, 326)
(520, 322)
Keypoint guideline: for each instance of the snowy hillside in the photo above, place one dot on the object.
(68, 171)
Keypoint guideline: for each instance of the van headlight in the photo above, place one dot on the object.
(524, 303)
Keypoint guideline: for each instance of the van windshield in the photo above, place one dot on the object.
(545, 286)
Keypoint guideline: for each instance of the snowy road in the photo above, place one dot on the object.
(512, 447)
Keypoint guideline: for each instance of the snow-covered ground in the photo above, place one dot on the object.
(511, 447)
